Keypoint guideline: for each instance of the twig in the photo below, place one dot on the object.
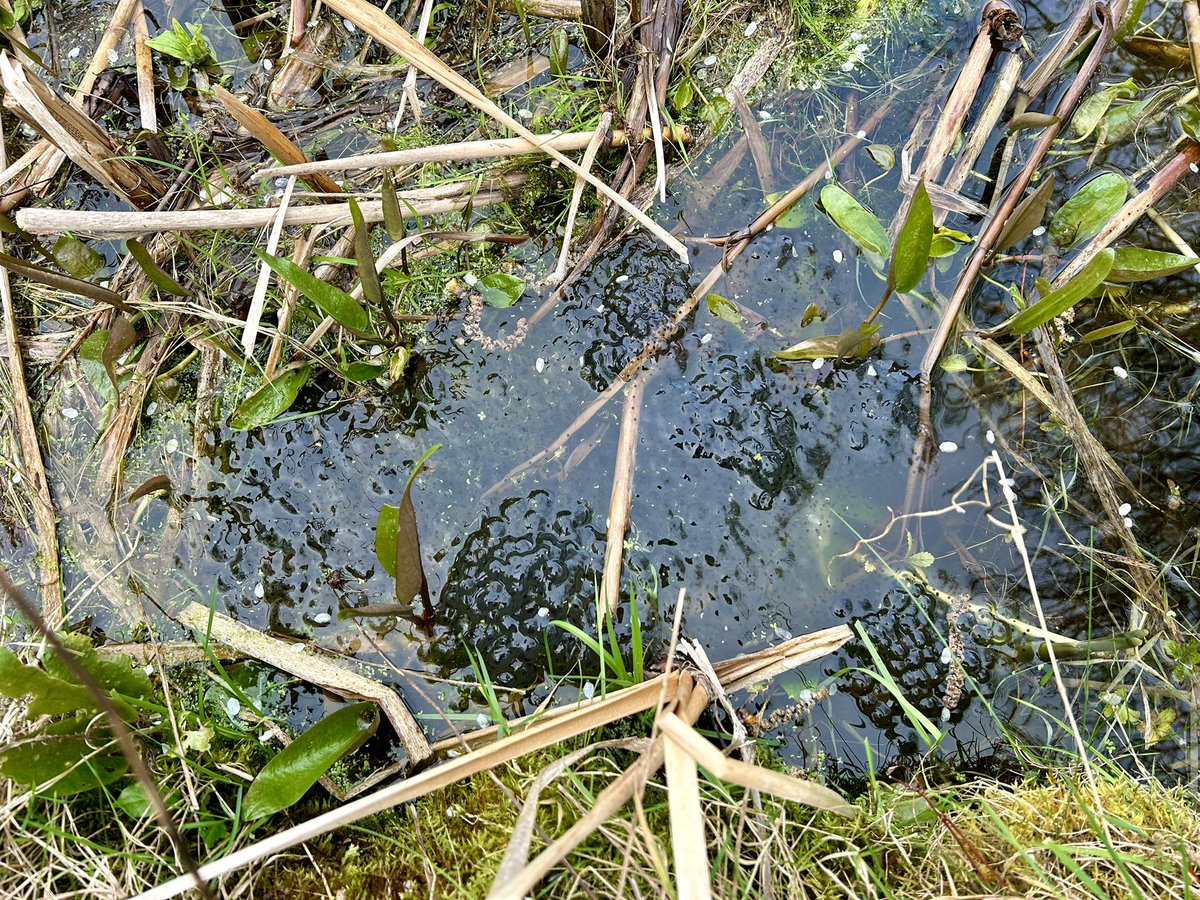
(759, 151)
(33, 469)
(589, 156)
(145, 69)
(259, 299)
(1191, 18)
(622, 495)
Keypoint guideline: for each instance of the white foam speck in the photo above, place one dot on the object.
(539, 364)
(706, 339)
(70, 412)
(990, 436)
(233, 706)
(1119, 371)
(322, 618)
(948, 446)
(1125, 509)
(259, 591)
(838, 257)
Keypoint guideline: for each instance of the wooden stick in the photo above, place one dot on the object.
(461, 152)
(371, 20)
(145, 70)
(622, 495)
(277, 143)
(589, 156)
(33, 470)
(133, 224)
(759, 151)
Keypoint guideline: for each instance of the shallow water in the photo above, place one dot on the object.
(752, 474)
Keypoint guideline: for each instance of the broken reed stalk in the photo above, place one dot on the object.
(622, 495)
(314, 667)
(259, 299)
(759, 151)
(44, 157)
(134, 224)
(145, 70)
(589, 157)
(1191, 18)
(376, 24)
(278, 144)
(301, 70)
(735, 244)
(529, 735)
(33, 469)
(546, 9)
(72, 132)
(461, 151)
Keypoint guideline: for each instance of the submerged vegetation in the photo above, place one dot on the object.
(299, 257)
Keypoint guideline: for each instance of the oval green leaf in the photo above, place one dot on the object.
(75, 257)
(823, 347)
(1136, 264)
(332, 301)
(1093, 108)
(913, 244)
(45, 757)
(270, 401)
(296, 768)
(501, 289)
(1088, 210)
(1057, 302)
(858, 222)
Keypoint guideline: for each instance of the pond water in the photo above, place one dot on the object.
(752, 473)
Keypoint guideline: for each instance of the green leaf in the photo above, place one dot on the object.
(364, 259)
(913, 244)
(296, 768)
(1032, 120)
(684, 93)
(882, 155)
(62, 282)
(397, 542)
(393, 218)
(723, 309)
(43, 757)
(1089, 210)
(49, 695)
(330, 300)
(501, 289)
(1189, 120)
(822, 347)
(1099, 334)
(1137, 264)
(75, 257)
(120, 338)
(157, 276)
(856, 343)
(1057, 302)
(795, 216)
(855, 220)
(117, 674)
(133, 801)
(941, 247)
(560, 48)
(1026, 217)
(1093, 108)
(359, 372)
(191, 48)
(272, 399)
(1120, 122)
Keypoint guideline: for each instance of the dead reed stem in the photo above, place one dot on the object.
(622, 495)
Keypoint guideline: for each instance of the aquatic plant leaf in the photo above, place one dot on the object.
(75, 257)
(855, 343)
(1026, 217)
(44, 757)
(501, 289)
(858, 222)
(63, 282)
(1120, 122)
(1032, 120)
(332, 301)
(1057, 302)
(1088, 210)
(133, 801)
(723, 309)
(883, 156)
(120, 338)
(358, 372)
(1137, 264)
(151, 485)
(941, 247)
(913, 243)
(272, 399)
(560, 48)
(795, 216)
(157, 276)
(1092, 109)
(397, 543)
(393, 218)
(364, 259)
(296, 768)
(1189, 121)
(1099, 334)
(50, 696)
(822, 347)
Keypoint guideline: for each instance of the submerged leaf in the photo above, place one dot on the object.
(397, 543)
(75, 257)
(1093, 108)
(913, 244)
(272, 399)
(822, 347)
(298, 766)
(393, 218)
(1026, 217)
(858, 222)
(1057, 302)
(723, 309)
(1088, 210)
(120, 338)
(1032, 120)
(1138, 264)
(1099, 334)
(501, 289)
(62, 282)
(332, 301)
